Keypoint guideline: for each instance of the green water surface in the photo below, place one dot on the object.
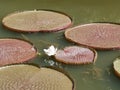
(98, 76)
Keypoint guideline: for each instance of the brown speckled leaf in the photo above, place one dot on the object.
(28, 77)
(34, 21)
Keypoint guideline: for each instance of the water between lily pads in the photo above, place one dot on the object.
(98, 76)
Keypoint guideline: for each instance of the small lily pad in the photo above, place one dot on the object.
(76, 55)
(116, 66)
(28, 77)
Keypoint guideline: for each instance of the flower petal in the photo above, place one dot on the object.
(50, 51)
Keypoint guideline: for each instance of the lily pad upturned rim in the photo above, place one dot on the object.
(49, 67)
(50, 10)
(92, 49)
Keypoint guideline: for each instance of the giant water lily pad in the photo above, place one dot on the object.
(28, 77)
(15, 51)
(37, 20)
(97, 35)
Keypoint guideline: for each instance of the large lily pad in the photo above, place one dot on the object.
(28, 77)
(37, 20)
(97, 35)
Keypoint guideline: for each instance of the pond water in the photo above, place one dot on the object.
(98, 76)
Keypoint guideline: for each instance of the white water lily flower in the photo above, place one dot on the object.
(50, 51)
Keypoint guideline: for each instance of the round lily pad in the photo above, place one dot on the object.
(15, 51)
(37, 20)
(28, 77)
(116, 66)
(102, 36)
(76, 55)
